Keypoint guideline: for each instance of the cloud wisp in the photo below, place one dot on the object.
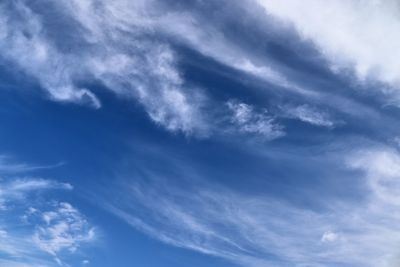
(131, 49)
(247, 120)
(19, 189)
(73, 49)
(308, 114)
(113, 50)
(262, 231)
(8, 165)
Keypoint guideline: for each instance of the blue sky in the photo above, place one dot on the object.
(151, 133)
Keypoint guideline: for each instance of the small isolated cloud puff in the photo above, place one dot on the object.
(246, 119)
(308, 114)
(329, 237)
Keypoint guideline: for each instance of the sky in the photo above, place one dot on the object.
(175, 133)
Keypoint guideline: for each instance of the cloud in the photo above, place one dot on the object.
(24, 44)
(44, 226)
(20, 188)
(131, 48)
(244, 230)
(101, 43)
(257, 230)
(209, 40)
(309, 115)
(247, 120)
(8, 165)
(329, 237)
(13, 263)
(382, 167)
(62, 228)
(354, 36)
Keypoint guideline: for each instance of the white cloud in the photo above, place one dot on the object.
(8, 165)
(62, 228)
(250, 121)
(251, 230)
(329, 237)
(114, 48)
(225, 224)
(44, 227)
(210, 41)
(19, 188)
(16, 263)
(120, 45)
(23, 42)
(356, 35)
(382, 167)
(309, 115)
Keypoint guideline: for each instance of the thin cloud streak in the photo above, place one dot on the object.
(309, 114)
(9, 166)
(129, 48)
(263, 231)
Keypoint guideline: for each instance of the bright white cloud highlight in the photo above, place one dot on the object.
(247, 120)
(357, 35)
(309, 115)
(329, 237)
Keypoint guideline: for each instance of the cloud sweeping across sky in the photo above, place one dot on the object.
(254, 230)
(198, 133)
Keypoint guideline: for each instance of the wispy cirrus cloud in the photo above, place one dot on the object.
(131, 49)
(24, 44)
(20, 188)
(247, 120)
(115, 49)
(8, 165)
(309, 114)
(257, 230)
(129, 54)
